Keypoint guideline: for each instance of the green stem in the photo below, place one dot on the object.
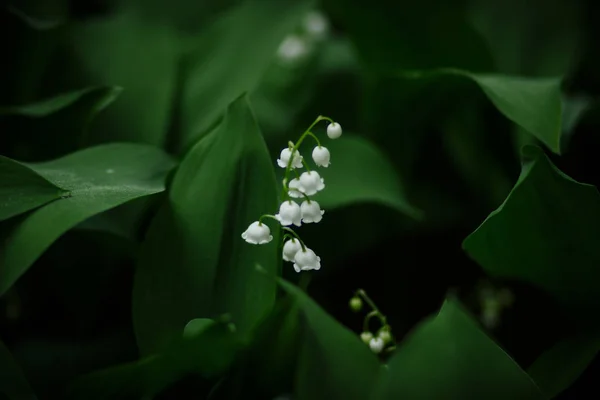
(304, 281)
(267, 216)
(314, 137)
(297, 146)
(285, 228)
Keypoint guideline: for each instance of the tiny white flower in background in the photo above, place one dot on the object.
(321, 156)
(289, 213)
(284, 158)
(376, 344)
(257, 233)
(306, 259)
(295, 190)
(311, 212)
(292, 48)
(334, 130)
(316, 24)
(366, 337)
(311, 183)
(290, 248)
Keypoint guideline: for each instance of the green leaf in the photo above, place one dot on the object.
(126, 49)
(100, 96)
(380, 33)
(535, 104)
(194, 262)
(544, 233)
(560, 366)
(13, 384)
(449, 357)
(22, 189)
(207, 354)
(98, 179)
(196, 326)
(333, 363)
(361, 173)
(233, 57)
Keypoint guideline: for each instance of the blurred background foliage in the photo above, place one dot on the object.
(436, 98)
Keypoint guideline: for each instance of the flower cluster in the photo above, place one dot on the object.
(383, 336)
(302, 186)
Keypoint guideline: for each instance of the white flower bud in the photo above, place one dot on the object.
(376, 345)
(306, 259)
(289, 213)
(316, 24)
(321, 156)
(257, 233)
(311, 183)
(290, 248)
(294, 188)
(284, 158)
(366, 337)
(311, 212)
(334, 130)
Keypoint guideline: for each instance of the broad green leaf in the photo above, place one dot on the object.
(206, 354)
(232, 58)
(13, 384)
(333, 363)
(99, 96)
(361, 173)
(543, 38)
(391, 35)
(23, 189)
(544, 233)
(194, 263)
(125, 49)
(449, 357)
(98, 179)
(560, 366)
(535, 104)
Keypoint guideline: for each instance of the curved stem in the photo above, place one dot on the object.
(305, 165)
(314, 137)
(267, 216)
(285, 228)
(297, 145)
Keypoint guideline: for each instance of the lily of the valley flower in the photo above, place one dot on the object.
(311, 211)
(311, 183)
(257, 233)
(376, 344)
(334, 130)
(289, 213)
(321, 156)
(306, 259)
(294, 189)
(290, 248)
(284, 158)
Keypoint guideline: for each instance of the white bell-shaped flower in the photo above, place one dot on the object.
(306, 259)
(257, 233)
(284, 158)
(311, 211)
(294, 188)
(376, 345)
(311, 183)
(334, 130)
(290, 248)
(321, 156)
(289, 213)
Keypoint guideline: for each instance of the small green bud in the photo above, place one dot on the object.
(366, 337)
(385, 334)
(356, 304)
